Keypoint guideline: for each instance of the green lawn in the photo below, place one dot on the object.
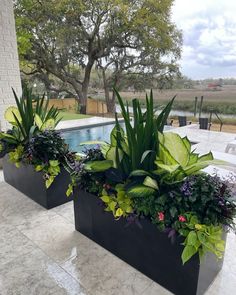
(72, 116)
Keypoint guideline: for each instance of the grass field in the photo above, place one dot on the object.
(72, 116)
(227, 94)
(222, 102)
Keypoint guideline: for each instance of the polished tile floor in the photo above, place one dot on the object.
(42, 254)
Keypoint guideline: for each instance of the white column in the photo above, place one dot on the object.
(9, 62)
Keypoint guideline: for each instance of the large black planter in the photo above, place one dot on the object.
(145, 248)
(31, 183)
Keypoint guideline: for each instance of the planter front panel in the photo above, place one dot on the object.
(31, 183)
(144, 247)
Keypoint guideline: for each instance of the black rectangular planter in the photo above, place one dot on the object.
(145, 248)
(31, 183)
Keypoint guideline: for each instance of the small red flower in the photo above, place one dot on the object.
(106, 186)
(160, 216)
(182, 218)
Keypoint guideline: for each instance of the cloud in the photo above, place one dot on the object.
(209, 37)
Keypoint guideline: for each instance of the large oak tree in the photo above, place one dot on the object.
(65, 39)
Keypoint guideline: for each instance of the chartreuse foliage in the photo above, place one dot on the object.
(16, 155)
(51, 169)
(175, 160)
(119, 203)
(201, 238)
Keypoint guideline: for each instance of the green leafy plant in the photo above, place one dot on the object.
(47, 151)
(16, 155)
(137, 149)
(175, 160)
(117, 202)
(201, 238)
(29, 116)
(51, 170)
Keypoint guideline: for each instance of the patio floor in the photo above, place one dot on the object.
(42, 254)
(205, 140)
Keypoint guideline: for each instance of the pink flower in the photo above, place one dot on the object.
(182, 218)
(160, 216)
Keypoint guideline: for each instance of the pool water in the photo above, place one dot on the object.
(75, 137)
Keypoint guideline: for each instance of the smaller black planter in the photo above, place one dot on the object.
(145, 248)
(31, 183)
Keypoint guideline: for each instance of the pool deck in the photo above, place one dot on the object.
(85, 123)
(205, 140)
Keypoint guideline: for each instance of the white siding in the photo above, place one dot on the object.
(9, 63)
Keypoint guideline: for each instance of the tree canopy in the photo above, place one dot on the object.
(65, 39)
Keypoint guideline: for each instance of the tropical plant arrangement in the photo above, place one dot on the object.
(32, 139)
(147, 173)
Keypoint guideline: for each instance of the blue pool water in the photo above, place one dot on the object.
(75, 137)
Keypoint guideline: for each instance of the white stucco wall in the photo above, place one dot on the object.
(9, 63)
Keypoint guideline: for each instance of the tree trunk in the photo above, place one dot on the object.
(83, 101)
(110, 102)
(85, 85)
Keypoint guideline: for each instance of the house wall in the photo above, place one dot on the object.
(9, 62)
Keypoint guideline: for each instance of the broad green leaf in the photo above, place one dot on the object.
(150, 182)
(69, 190)
(206, 157)
(38, 168)
(187, 143)
(113, 136)
(176, 147)
(93, 142)
(49, 124)
(192, 238)
(193, 169)
(8, 115)
(38, 121)
(111, 155)
(105, 199)
(119, 212)
(193, 158)
(7, 136)
(145, 154)
(112, 205)
(188, 252)
(165, 156)
(168, 168)
(139, 173)
(49, 181)
(140, 191)
(54, 163)
(98, 166)
(220, 246)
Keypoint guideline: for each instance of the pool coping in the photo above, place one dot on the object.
(89, 125)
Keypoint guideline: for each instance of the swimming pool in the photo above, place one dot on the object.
(75, 137)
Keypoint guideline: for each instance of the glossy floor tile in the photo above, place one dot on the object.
(42, 254)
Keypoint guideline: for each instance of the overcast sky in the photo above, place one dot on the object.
(209, 32)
